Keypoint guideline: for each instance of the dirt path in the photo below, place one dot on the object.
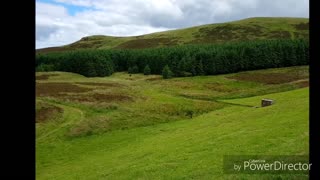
(70, 116)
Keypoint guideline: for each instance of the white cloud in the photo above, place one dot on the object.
(55, 26)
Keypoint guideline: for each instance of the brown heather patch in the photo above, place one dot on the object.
(100, 98)
(198, 96)
(218, 87)
(147, 43)
(90, 126)
(45, 76)
(46, 112)
(169, 109)
(56, 89)
(279, 34)
(95, 43)
(101, 84)
(154, 79)
(304, 35)
(302, 26)
(111, 97)
(183, 85)
(227, 33)
(267, 78)
(302, 84)
(52, 49)
(131, 79)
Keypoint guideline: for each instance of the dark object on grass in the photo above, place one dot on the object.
(266, 102)
(166, 72)
(189, 113)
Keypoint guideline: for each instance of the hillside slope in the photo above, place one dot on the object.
(186, 149)
(242, 30)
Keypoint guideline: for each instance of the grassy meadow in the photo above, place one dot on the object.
(145, 127)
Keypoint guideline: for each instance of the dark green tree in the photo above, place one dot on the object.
(130, 70)
(135, 69)
(91, 70)
(147, 70)
(166, 72)
(199, 68)
(109, 68)
(182, 67)
(45, 67)
(198, 59)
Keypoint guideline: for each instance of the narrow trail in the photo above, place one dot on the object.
(235, 104)
(70, 116)
(218, 101)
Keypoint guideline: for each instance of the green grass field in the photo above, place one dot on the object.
(242, 30)
(144, 127)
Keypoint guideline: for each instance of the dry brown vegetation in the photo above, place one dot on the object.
(154, 79)
(182, 85)
(227, 33)
(302, 84)
(279, 35)
(98, 98)
(147, 43)
(57, 89)
(101, 84)
(219, 87)
(45, 76)
(302, 26)
(89, 126)
(45, 112)
(60, 90)
(267, 78)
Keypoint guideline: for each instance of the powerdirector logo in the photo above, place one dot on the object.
(266, 164)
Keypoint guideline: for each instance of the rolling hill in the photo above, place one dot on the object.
(242, 30)
(136, 126)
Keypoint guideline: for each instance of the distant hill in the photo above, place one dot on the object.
(242, 30)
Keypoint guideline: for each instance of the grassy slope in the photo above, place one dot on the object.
(242, 30)
(184, 149)
(129, 139)
(125, 102)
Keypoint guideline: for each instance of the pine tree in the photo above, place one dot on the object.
(199, 69)
(91, 70)
(109, 68)
(183, 60)
(135, 69)
(166, 72)
(182, 68)
(192, 65)
(147, 70)
(130, 70)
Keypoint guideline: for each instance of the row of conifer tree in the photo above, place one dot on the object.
(186, 60)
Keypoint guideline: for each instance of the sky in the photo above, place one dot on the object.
(61, 22)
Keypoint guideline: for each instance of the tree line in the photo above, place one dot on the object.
(178, 61)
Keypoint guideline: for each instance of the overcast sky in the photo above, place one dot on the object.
(60, 22)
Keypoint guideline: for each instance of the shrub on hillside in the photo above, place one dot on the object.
(133, 70)
(45, 68)
(166, 72)
(147, 70)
